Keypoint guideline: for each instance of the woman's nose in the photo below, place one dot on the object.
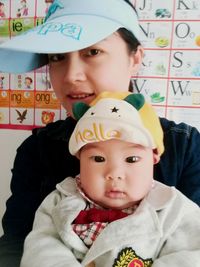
(75, 69)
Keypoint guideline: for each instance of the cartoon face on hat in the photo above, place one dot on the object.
(130, 119)
(70, 25)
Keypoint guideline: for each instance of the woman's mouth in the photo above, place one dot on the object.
(80, 96)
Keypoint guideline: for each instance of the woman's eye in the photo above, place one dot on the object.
(98, 158)
(93, 52)
(56, 57)
(132, 159)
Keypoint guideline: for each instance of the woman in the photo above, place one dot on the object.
(91, 46)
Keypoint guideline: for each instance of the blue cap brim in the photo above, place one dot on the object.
(75, 26)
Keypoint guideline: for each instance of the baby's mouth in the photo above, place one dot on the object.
(115, 194)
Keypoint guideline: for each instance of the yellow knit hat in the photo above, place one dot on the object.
(124, 116)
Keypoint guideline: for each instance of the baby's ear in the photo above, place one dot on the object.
(79, 109)
(136, 100)
(156, 156)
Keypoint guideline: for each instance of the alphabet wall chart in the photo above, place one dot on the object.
(169, 77)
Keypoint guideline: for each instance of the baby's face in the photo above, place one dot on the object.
(116, 174)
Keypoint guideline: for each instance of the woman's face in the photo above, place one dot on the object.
(82, 75)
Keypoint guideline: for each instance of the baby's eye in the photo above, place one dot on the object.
(132, 159)
(55, 57)
(98, 158)
(93, 52)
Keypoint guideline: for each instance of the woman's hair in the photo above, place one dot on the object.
(130, 40)
(128, 36)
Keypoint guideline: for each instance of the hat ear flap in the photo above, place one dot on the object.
(79, 109)
(136, 100)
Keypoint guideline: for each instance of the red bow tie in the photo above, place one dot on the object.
(96, 215)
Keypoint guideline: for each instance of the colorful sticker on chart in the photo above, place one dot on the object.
(23, 9)
(162, 42)
(21, 115)
(157, 98)
(197, 40)
(2, 9)
(160, 69)
(162, 13)
(47, 116)
(196, 70)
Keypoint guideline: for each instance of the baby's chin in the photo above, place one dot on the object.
(116, 206)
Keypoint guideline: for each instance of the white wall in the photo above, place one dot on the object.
(9, 141)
